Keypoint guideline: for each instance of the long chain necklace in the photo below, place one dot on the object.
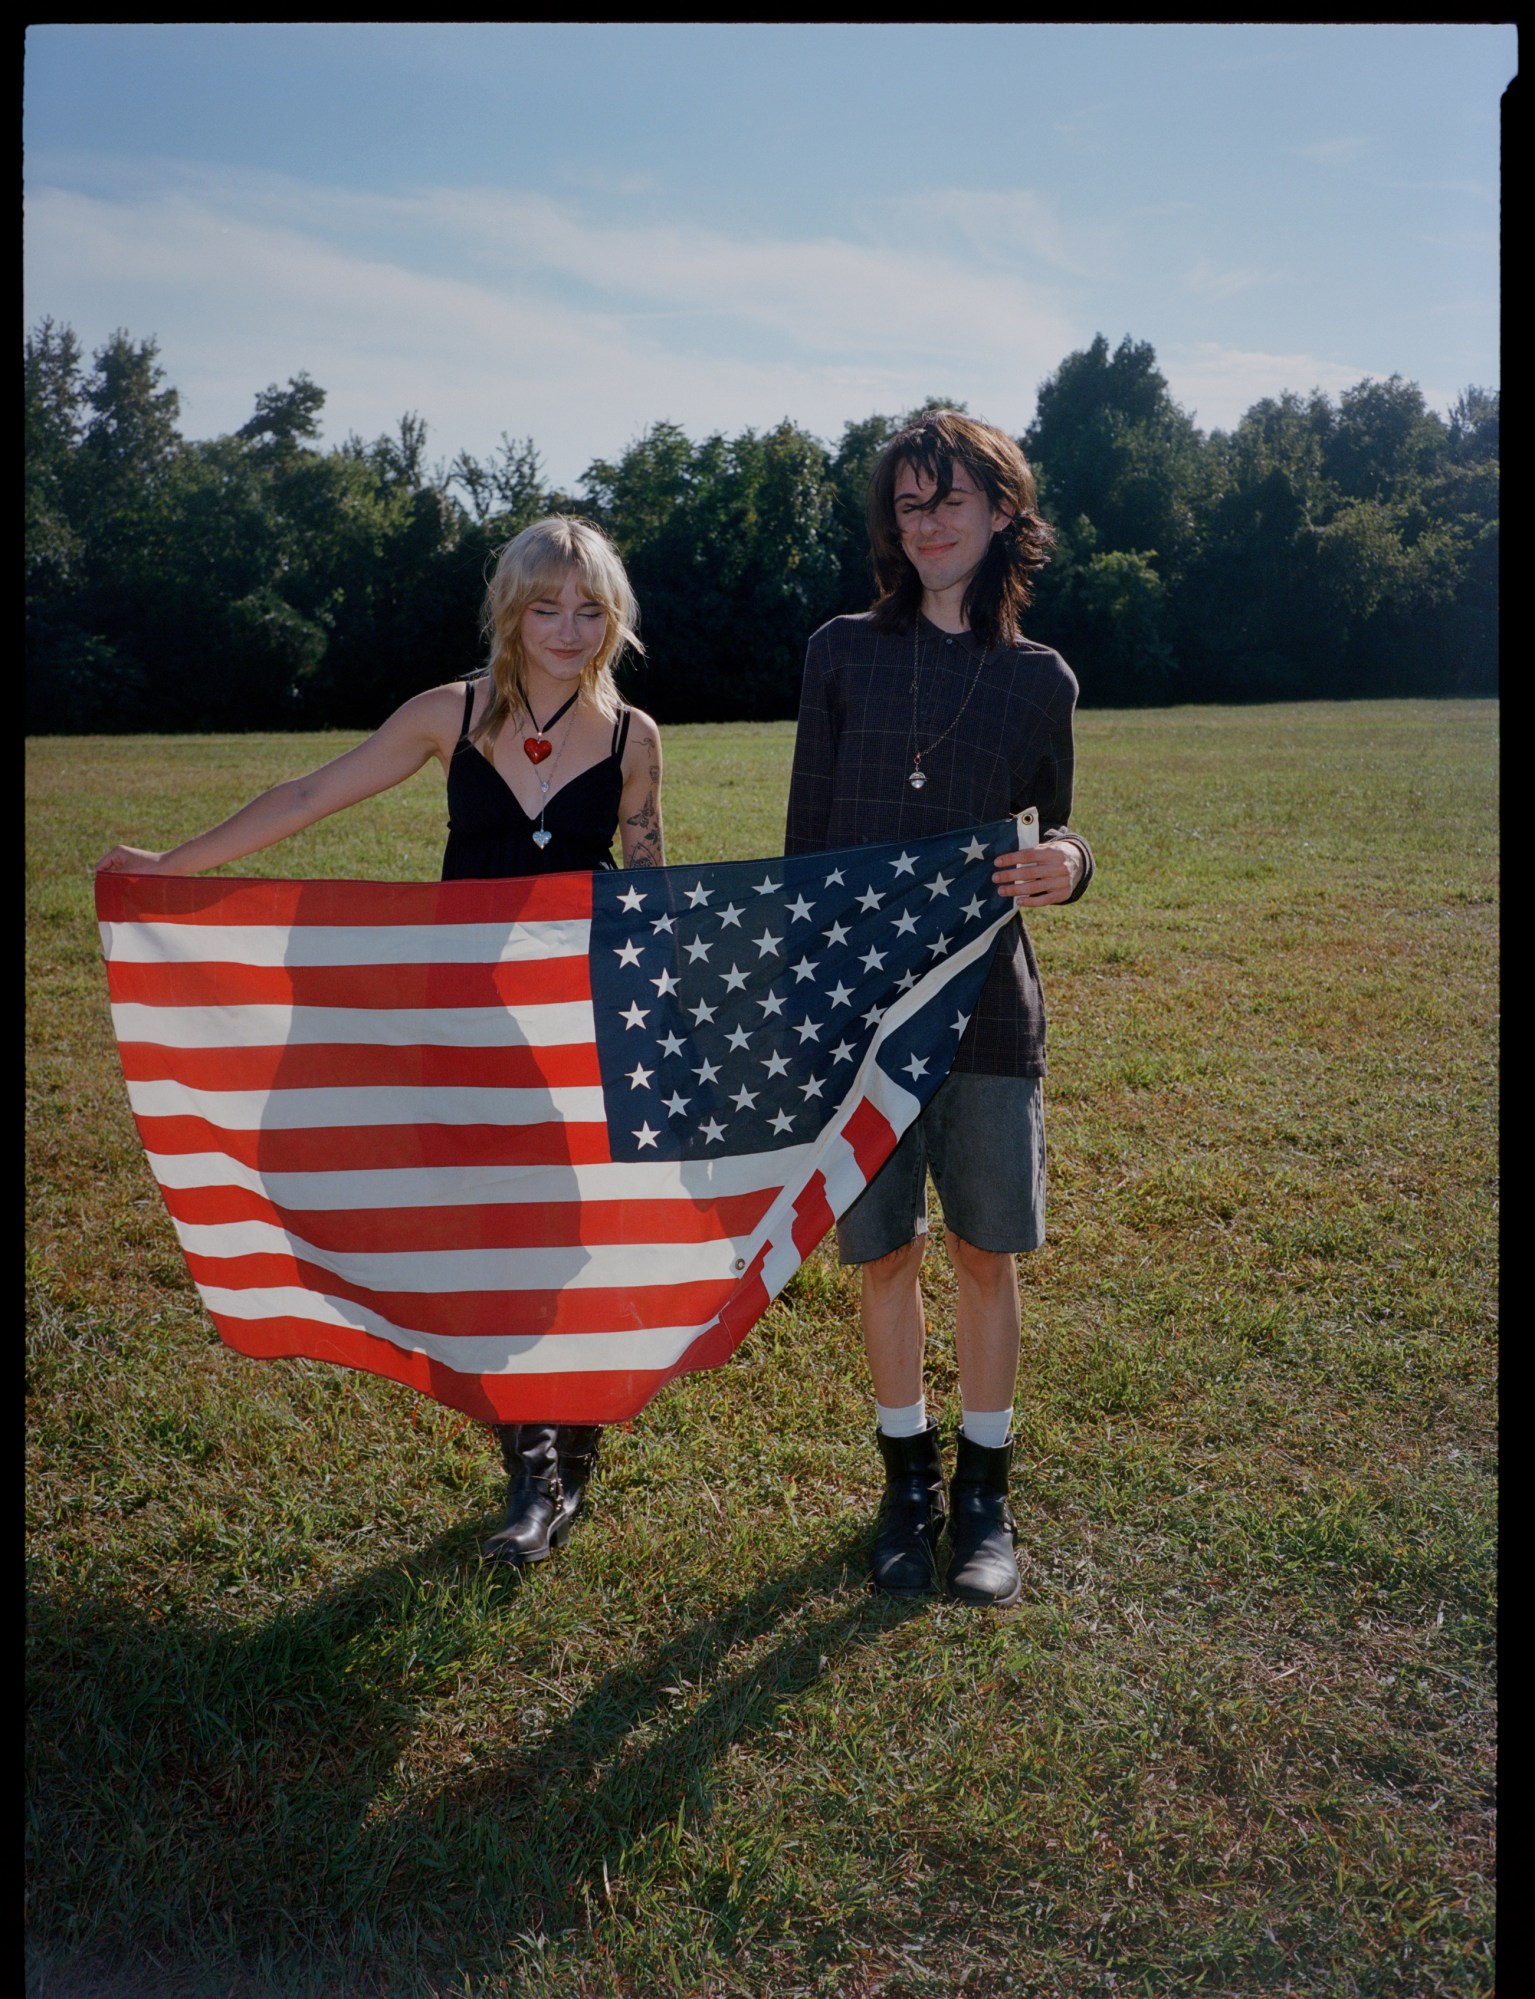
(918, 776)
(535, 748)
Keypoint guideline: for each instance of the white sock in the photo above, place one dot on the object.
(908, 1422)
(990, 1428)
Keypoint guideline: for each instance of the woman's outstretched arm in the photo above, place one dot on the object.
(427, 725)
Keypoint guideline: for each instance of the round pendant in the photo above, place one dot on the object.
(916, 780)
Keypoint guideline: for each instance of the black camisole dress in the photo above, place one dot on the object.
(490, 835)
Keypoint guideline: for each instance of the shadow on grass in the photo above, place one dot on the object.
(204, 1804)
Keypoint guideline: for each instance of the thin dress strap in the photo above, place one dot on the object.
(463, 734)
(621, 732)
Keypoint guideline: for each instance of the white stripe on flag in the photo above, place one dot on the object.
(363, 1104)
(490, 1186)
(552, 1026)
(638, 1350)
(590, 1266)
(151, 943)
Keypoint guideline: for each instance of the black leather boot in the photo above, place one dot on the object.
(576, 1445)
(548, 1467)
(910, 1517)
(982, 1532)
(534, 1495)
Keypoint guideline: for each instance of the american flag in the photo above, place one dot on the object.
(536, 1146)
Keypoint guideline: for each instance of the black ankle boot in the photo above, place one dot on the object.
(548, 1468)
(982, 1534)
(910, 1517)
(534, 1495)
(576, 1446)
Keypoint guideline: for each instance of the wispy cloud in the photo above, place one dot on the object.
(548, 318)
(1219, 384)
(997, 225)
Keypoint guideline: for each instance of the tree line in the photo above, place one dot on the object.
(1321, 548)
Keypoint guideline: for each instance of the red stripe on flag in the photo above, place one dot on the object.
(344, 1148)
(872, 1137)
(122, 898)
(539, 982)
(501, 1315)
(319, 1064)
(499, 1225)
(812, 1214)
(597, 1397)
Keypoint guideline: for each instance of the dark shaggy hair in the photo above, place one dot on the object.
(1000, 590)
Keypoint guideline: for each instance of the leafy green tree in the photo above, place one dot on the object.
(1117, 607)
(286, 418)
(1433, 627)
(732, 549)
(1383, 439)
(130, 446)
(508, 490)
(109, 468)
(256, 580)
(1116, 450)
(1474, 427)
(54, 402)
(1252, 618)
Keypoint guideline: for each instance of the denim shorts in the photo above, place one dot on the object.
(983, 1138)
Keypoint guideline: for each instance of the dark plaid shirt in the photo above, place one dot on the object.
(1007, 747)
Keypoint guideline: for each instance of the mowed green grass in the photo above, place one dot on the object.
(288, 1739)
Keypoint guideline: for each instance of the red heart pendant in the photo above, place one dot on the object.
(535, 748)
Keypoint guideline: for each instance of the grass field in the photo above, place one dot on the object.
(288, 1741)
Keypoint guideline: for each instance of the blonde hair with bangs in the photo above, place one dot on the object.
(534, 564)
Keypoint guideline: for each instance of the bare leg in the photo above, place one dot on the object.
(986, 1324)
(894, 1329)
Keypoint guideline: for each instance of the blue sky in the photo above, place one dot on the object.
(573, 232)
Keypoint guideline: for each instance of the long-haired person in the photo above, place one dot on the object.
(928, 712)
(544, 764)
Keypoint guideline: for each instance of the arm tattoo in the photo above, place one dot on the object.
(646, 849)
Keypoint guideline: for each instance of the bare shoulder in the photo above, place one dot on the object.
(437, 714)
(642, 752)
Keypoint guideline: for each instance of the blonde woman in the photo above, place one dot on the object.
(544, 764)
